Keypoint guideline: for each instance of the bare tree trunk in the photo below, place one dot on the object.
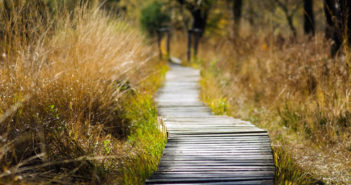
(199, 13)
(200, 19)
(340, 20)
(338, 28)
(345, 8)
(237, 11)
(188, 53)
(291, 24)
(199, 25)
(329, 11)
(289, 16)
(309, 23)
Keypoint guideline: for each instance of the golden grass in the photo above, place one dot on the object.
(65, 86)
(291, 88)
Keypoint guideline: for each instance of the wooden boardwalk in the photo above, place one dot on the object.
(203, 148)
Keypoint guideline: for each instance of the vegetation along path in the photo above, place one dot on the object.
(204, 148)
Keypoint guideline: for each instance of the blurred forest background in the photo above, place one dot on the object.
(77, 79)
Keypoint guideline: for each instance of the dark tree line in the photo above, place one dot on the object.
(337, 14)
(337, 18)
(309, 21)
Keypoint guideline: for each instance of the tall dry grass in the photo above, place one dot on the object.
(292, 88)
(63, 79)
(297, 78)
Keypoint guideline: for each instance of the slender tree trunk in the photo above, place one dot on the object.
(199, 14)
(200, 19)
(251, 14)
(338, 28)
(341, 25)
(345, 8)
(237, 11)
(309, 23)
(289, 18)
(188, 53)
(348, 19)
(199, 25)
(329, 11)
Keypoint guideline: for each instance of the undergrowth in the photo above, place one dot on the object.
(149, 137)
(148, 141)
(76, 92)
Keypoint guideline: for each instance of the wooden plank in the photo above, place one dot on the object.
(205, 127)
(225, 142)
(252, 182)
(212, 123)
(234, 148)
(174, 140)
(216, 132)
(217, 153)
(215, 159)
(223, 136)
(206, 177)
(216, 168)
(231, 157)
(236, 158)
(203, 151)
(219, 145)
(213, 163)
(214, 140)
(214, 135)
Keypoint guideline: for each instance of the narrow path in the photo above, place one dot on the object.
(203, 148)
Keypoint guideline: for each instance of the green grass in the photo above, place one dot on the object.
(148, 139)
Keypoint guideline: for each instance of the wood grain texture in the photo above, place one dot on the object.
(203, 148)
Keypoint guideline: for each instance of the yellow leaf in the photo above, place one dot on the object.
(264, 47)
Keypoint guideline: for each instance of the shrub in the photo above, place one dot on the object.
(152, 18)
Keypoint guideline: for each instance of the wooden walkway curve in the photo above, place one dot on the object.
(203, 148)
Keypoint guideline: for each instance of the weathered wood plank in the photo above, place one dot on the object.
(213, 135)
(215, 140)
(253, 182)
(232, 160)
(206, 177)
(215, 168)
(212, 163)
